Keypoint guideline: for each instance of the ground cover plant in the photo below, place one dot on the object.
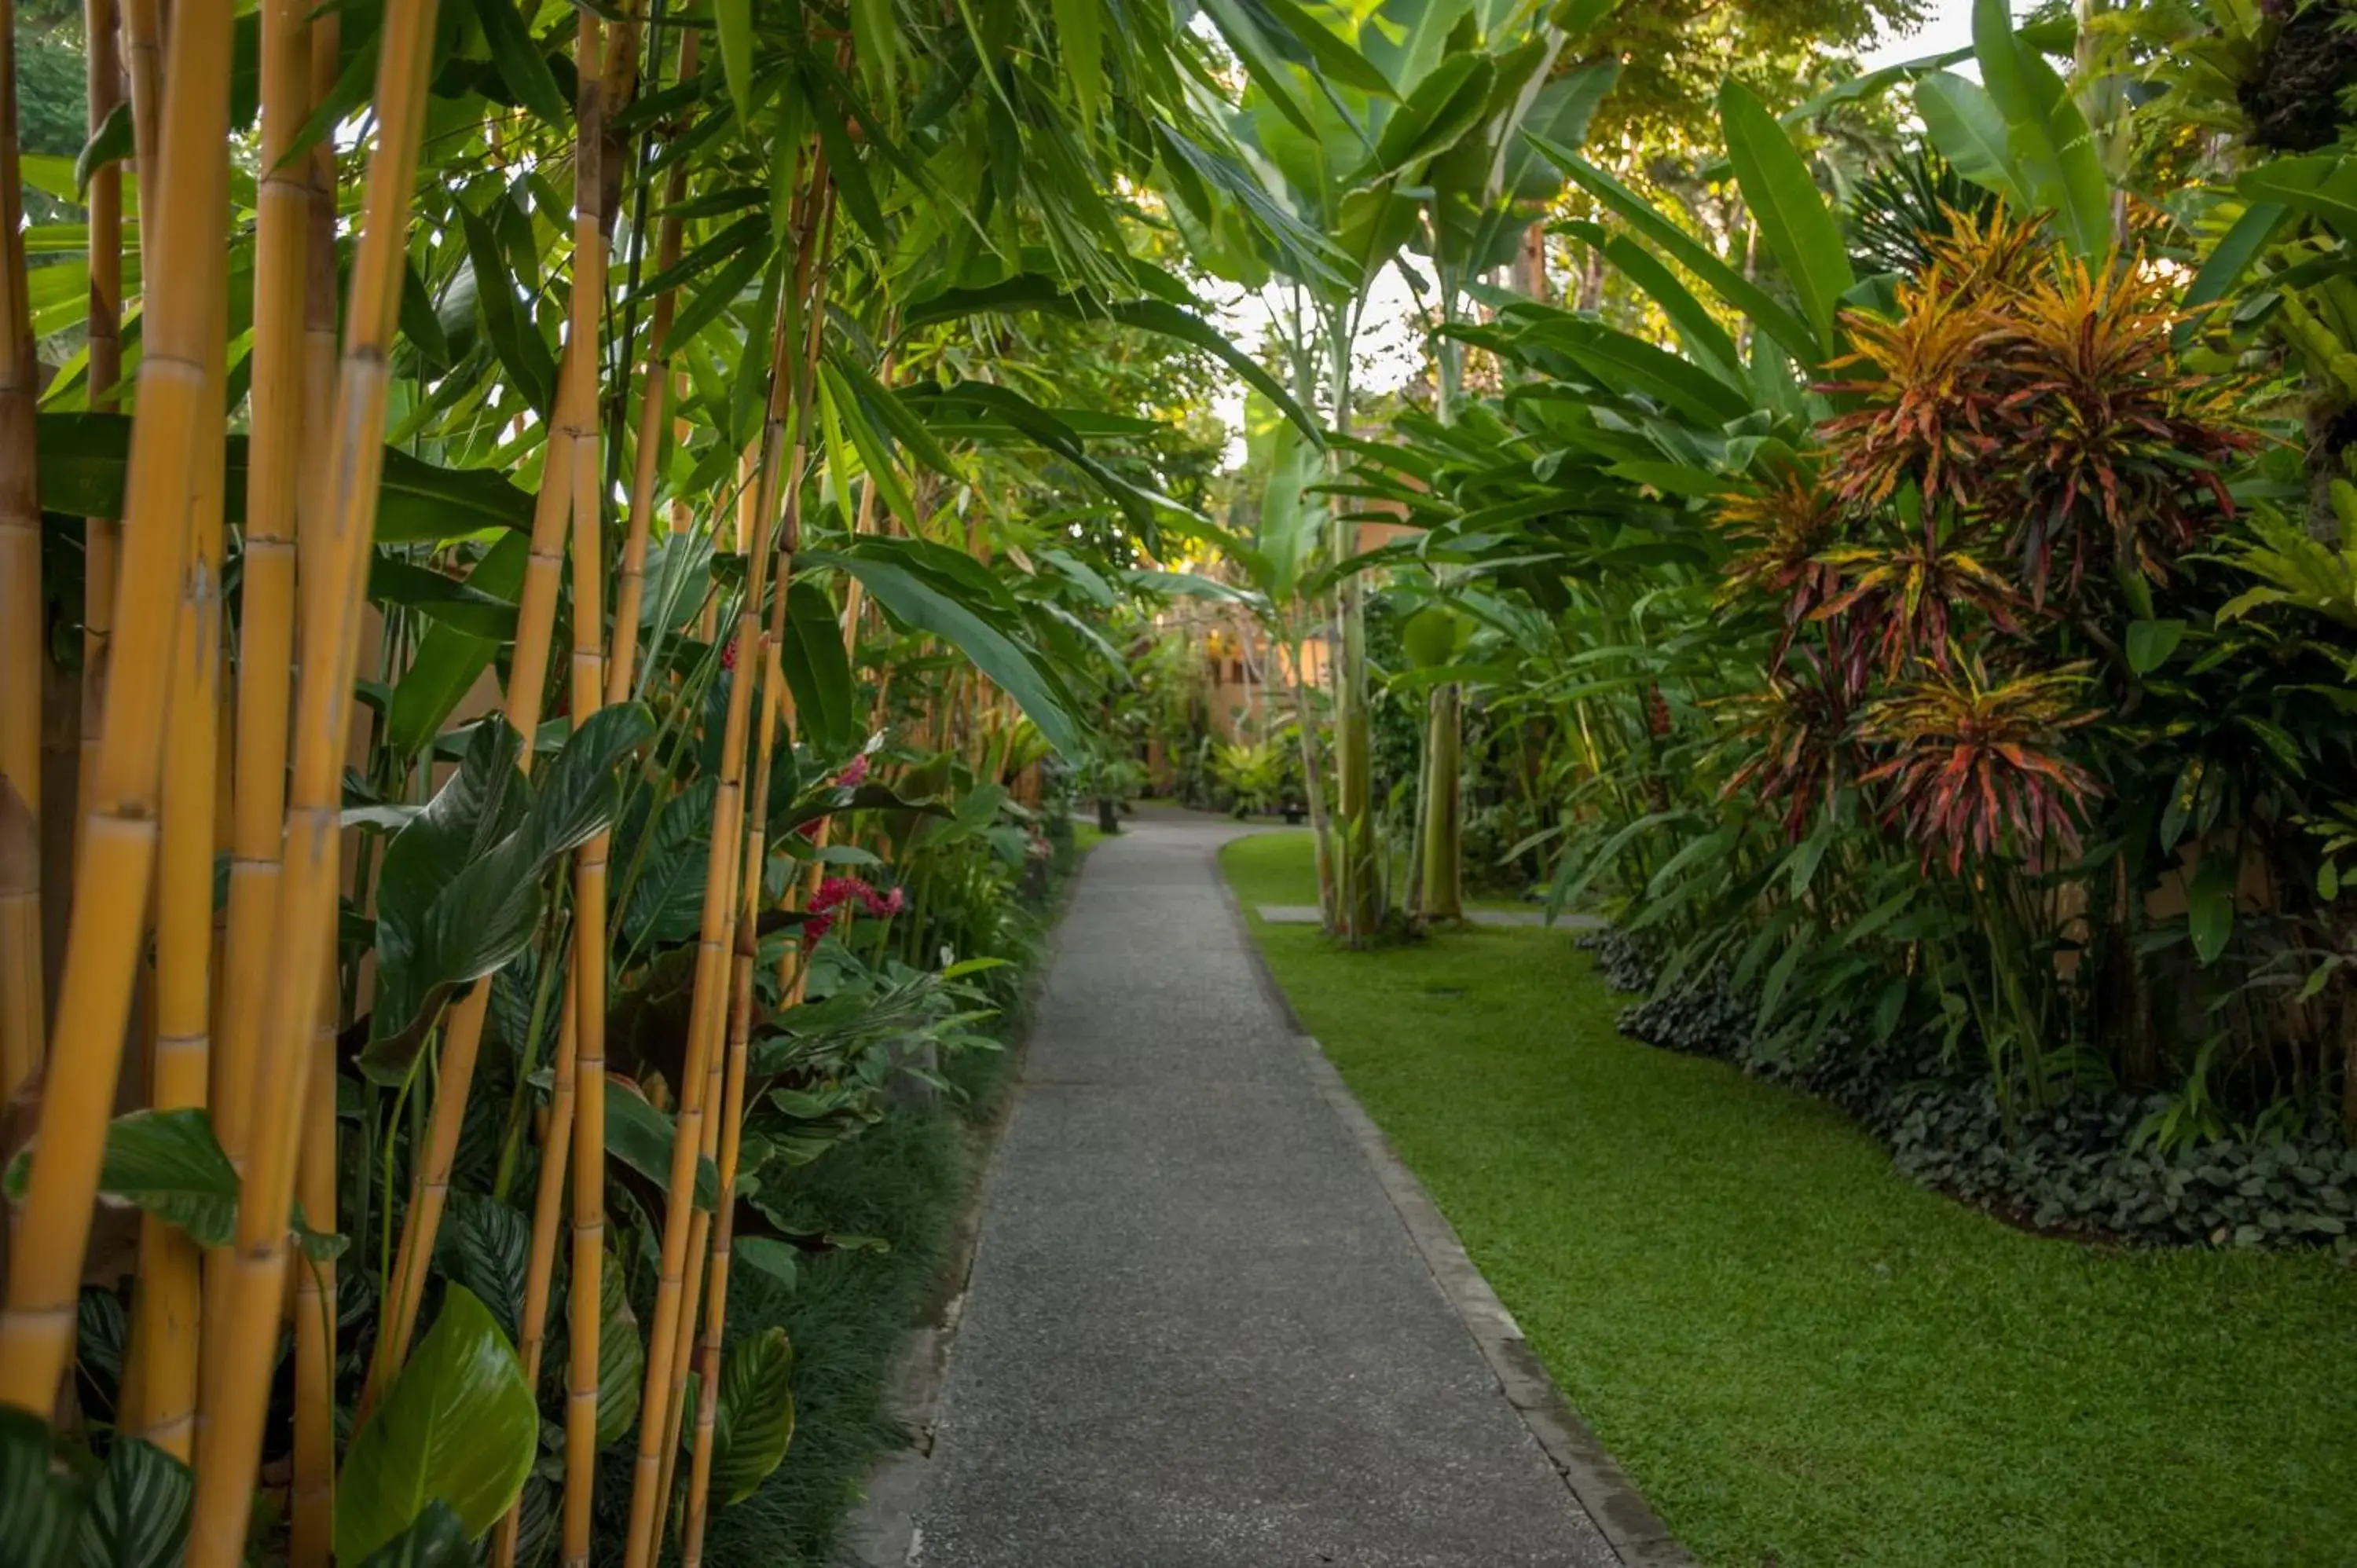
(1800, 1355)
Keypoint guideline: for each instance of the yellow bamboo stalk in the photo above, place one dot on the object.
(143, 65)
(189, 217)
(165, 1326)
(231, 1415)
(585, 1308)
(729, 1092)
(714, 945)
(283, 234)
(22, 660)
(548, 1202)
(101, 537)
(311, 1539)
(654, 403)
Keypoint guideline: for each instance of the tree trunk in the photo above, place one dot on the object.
(1443, 811)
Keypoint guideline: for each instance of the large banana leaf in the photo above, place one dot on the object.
(2045, 132)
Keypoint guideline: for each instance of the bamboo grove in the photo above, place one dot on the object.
(406, 1016)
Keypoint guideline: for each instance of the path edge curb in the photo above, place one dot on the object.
(1597, 1484)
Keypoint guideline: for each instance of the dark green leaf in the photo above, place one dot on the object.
(756, 1419)
(459, 1427)
(521, 64)
(138, 1514)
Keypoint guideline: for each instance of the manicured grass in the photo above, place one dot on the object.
(1801, 1357)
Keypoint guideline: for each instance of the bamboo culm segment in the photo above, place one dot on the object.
(165, 1322)
(190, 215)
(101, 537)
(21, 620)
(229, 1439)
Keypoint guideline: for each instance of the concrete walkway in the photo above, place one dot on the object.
(1196, 1333)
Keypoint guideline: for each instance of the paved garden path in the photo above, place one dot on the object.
(1196, 1333)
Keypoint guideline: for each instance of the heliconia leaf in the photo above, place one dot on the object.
(818, 673)
(1792, 216)
(459, 1426)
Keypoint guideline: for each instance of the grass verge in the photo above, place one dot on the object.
(906, 1180)
(1801, 1357)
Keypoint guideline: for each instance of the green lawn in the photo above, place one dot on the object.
(1801, 1357)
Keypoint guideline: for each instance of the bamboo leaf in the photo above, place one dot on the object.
(733, 20)
(521, 64)
(1079, 30)
(459, 1426)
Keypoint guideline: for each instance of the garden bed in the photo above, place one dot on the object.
(1800, 1355)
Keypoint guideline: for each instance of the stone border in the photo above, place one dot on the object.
(1597, 1484)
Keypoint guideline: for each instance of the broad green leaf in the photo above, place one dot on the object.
(138, 1514)
(40, 1505)
(2150, 642)
(2228, 259)
(2210, 903)
(782, 1260)
(1792, 216)
(1443, 107)
(642, 1137)
(435, 1540)
(1965, 124)
(756, 1420)
(85, 459)
(449, 659)
(818, 673)
(459, 1426)
(921, 602)
(1335, 58)
(164, 1163)
(2046, 133)
(2323, 186)
(621, 1358)
(393, 581)
(111, 142)
(487, 1249)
